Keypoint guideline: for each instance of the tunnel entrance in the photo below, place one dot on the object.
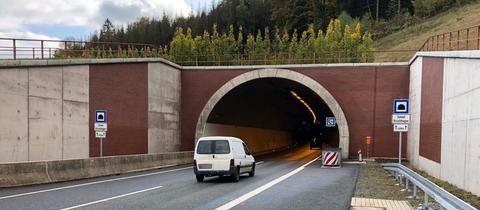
(272, 114)
(273, 109)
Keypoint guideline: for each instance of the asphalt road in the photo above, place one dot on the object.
(292, 180)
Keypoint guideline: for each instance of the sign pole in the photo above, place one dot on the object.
(400, 147)
(101, 147)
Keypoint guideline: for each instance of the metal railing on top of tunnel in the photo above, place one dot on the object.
(22, 49)
(463, 39)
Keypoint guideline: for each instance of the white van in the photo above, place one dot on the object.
(222, 155)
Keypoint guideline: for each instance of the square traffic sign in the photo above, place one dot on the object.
(100, 116)
(400, 106)
(330, 122)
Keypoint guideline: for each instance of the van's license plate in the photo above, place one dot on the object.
(204, 166)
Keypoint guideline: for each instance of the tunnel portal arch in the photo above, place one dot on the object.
(308, 82)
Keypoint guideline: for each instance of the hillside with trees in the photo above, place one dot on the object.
(271, 31)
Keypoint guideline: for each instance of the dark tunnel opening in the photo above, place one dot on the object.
(272, 114)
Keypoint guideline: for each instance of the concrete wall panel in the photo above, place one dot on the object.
(460, 131)
(413, 140)
(75, 83)
(75, 140)
(164, 87)
(45, 128)
(45, 139)
(75, 130)
(429, 166)
(13, 115)
(472, 170)
(45, 82)
(13, 81)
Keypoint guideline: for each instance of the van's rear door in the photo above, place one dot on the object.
(213, 155)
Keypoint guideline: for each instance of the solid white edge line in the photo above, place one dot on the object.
(91, 183)
(111, 198)
(260, 162)
(252, 193)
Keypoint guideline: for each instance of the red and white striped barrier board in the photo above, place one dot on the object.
(331, 158)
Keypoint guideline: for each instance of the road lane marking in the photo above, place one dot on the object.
(252, 193)
(111, 198)
(91, 183)
(260, 162)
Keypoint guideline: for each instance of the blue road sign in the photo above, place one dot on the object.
(330, 122)
(100, 116)
(400, 106)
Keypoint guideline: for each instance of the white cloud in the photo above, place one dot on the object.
(18, 15)
(25, 48)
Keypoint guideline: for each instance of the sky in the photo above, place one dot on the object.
(77, 19)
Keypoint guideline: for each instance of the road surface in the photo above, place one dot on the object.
(289, 180)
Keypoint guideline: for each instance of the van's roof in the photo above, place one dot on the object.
(219, 138)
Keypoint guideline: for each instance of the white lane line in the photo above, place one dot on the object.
(252, 193)
(111, 198)
(91, 183)
(260, 162)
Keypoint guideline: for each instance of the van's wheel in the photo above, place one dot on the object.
(252, 173)
(236, 175)
(200, 178)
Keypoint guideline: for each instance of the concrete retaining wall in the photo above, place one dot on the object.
(164, 89)
(460, 119)
(16, 174)
(44, 113)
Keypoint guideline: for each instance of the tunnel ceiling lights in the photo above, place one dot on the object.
(305, 104)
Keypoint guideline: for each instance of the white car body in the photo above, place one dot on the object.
(222, 155)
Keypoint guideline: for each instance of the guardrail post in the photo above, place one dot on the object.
(406, 189)
(414, 196)
(14, 49)
(425, 201)
(400, 181)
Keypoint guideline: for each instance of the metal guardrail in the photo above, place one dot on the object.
(441, 196)
(463, 39)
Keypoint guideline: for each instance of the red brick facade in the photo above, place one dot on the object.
(431, 109)
(365, 94)
(122, 90)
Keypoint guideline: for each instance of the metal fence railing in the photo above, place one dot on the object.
(445, 199)
(15, 49)
(12, 48)
(463, 39)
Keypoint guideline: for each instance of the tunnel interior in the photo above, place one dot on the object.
(271, 114)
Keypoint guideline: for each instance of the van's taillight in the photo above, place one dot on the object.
(232, 162)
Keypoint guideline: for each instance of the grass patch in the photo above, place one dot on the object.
(413, 37)
(462, 194)
(374, 182)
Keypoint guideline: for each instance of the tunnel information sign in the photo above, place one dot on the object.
(400, 119)
(400, 128)
(330, 122)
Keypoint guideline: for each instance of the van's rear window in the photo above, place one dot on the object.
(213, 147)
